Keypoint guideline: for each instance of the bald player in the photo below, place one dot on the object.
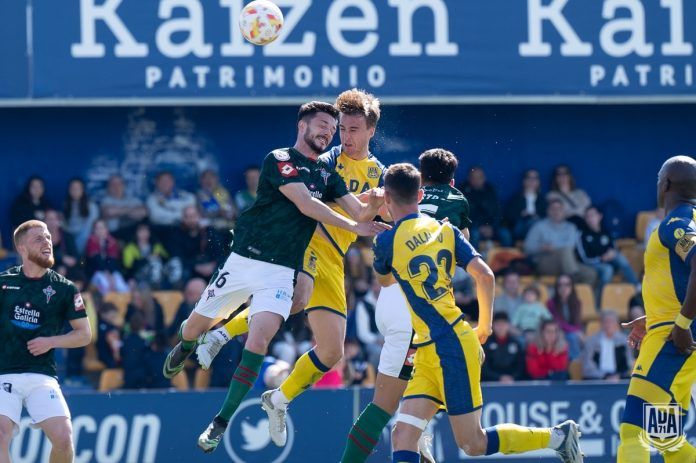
(666, 369)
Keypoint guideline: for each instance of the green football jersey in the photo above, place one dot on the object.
(273, 229)
(32, 308)
(444, 201)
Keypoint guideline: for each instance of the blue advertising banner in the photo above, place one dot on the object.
(132, 427)
(404, 50)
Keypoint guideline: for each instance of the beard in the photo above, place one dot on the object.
(41, 260)
(310, 139)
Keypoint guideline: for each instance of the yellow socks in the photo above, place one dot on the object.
(238, 325)
(308, 370)
(510, 438)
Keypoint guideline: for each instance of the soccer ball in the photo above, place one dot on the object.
(260, 22)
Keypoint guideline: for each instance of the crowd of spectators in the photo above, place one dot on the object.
(175, 239)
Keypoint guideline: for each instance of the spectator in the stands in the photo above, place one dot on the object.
(504, 353)
(109, 335)
(547, 356)
(31, 203)
(192, 292)
(64, 248)
(597, 249)
(143, 302)
(357, 371)
(167, 203)
(146, 260)
(606, 354)
(531, 312)
(636, 307)
(511, 297)
(551, 246)
(366, 323)
(527, 206)
(246, 197)
(80, 212)
(103, 259)
(214, 201)
(142, 354)
(563, 188)
(566, 309)
(485, 209)
(121, 211)
(134, 350)
(192, 245)
(653, 224)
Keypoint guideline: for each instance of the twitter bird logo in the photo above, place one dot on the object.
(255, 437)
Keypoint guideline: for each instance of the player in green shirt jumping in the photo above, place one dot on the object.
(35, 303)
(269, 245)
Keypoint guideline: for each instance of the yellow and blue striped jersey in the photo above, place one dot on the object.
(422, 254)
(360, 176)
(667, 265)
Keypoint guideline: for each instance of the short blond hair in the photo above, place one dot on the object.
(355, 102)
(21, 231)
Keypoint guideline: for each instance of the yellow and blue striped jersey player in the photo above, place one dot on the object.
(320, 286)
(421, 253)
(665, 370)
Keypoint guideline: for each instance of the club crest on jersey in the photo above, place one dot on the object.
(49, 292)
(325, 176)
(372, 172)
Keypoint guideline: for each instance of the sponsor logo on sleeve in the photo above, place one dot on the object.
(79, 303)
(685, 245)
(287, 169)
(281, 155)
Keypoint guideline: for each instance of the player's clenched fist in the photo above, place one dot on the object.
(39, 346)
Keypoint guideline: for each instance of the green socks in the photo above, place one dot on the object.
(243, 380)
(364, 434)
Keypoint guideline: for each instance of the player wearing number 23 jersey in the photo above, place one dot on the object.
(422, 254)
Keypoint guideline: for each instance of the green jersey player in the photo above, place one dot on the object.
(35, 303)
(270, 242)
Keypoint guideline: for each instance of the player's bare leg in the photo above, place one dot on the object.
(329, 331)
(59, 432)
(262, 327)
(411, 422)
(6, 430)
(190, 330)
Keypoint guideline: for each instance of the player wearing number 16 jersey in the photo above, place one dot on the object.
(270, 241)
(420, 254)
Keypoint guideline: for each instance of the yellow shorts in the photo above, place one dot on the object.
(661, 375)
(448, 371)
(324, 264)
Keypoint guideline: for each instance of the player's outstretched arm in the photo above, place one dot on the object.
(312, 207)
(681, 333)
(485, 290)
(79, 336)
(364, 207)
